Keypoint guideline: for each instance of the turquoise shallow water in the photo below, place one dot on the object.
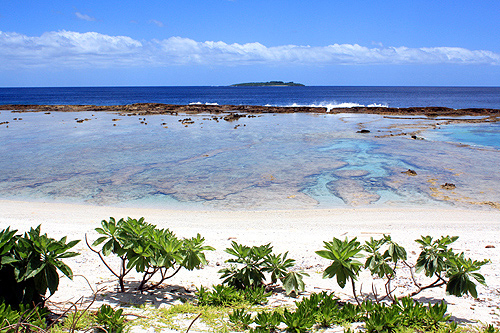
(287, 161)
(478, 135)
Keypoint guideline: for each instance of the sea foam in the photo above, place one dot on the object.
(333, 105)
(200, 103)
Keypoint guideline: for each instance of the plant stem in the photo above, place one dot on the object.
(354, 292)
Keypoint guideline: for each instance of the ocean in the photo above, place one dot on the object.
(452, 97)
(271, 161)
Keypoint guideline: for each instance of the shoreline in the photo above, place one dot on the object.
(59, 212)
(159, 108)
(301, 232)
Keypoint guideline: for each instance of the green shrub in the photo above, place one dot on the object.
(111, 320)
(29, 265)
(240, 319)
(222, 295)
(219, 296)
(28, 319)
(248, 268)
(436, 259)
(299, 321)
(267, 321)
(343, 255)
(324, 310)
(148, 250)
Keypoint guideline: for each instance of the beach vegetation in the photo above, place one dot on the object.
(383, 257)
(110, 320)
(181, 316)
(322, 310)
(343, 255)
(29, 266)
(241, 319)
(24, 318)
(77, 320)
(224, 295)
(267, 321)
(249, 264)
(148, 250)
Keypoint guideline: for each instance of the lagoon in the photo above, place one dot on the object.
(271, 161)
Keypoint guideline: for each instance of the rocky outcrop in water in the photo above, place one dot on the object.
(158, 108)
(410, 172)
(448, 186)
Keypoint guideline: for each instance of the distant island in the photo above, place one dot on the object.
(268, 84)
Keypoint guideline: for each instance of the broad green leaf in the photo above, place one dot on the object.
(293, 282)
(52, 278)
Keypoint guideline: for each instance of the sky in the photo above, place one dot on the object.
(221, 42)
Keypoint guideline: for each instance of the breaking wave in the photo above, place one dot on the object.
(328, 105)
(334, 105)
(200, 103)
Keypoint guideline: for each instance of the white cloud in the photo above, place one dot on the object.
(92, 49)
(157, 23)
(85, 17)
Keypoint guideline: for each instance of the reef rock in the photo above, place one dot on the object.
(448, 186)
(410, 172)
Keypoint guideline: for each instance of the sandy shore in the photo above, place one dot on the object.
(301, 232)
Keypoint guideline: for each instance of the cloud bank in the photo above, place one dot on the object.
(92, 49)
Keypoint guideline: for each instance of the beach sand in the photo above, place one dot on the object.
(301, 232)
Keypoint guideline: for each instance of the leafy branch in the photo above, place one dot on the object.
(383, 257)
(250, 263)
(141, 246)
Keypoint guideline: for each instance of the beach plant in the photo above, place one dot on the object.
(383, 257)
(220, 295)
(110, 320)
(241, 319)
(24, 319)
(29, 266)
(229, 296)
(451, 269)
(251, 262)
(322, 310)
(257, 295)
(148, 250)
(344, 266)
(267, 321)
(250, 272)
(72, 321)
(491, 329)
(298, 321)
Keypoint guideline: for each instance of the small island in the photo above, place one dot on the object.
(268, 84)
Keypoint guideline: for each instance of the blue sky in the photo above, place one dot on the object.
(220, 42)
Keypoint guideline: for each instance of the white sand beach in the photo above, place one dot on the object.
(301, 232)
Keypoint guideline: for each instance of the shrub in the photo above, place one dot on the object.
(29, 265)
(148, 250)
(248, 268)
(26, 319)
(436, 259)
(240, 319)
(267, 321)
(223, 295)
(324, 310)
(111, 320)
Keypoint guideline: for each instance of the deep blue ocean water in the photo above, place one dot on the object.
(453, 97)
(271, 161)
